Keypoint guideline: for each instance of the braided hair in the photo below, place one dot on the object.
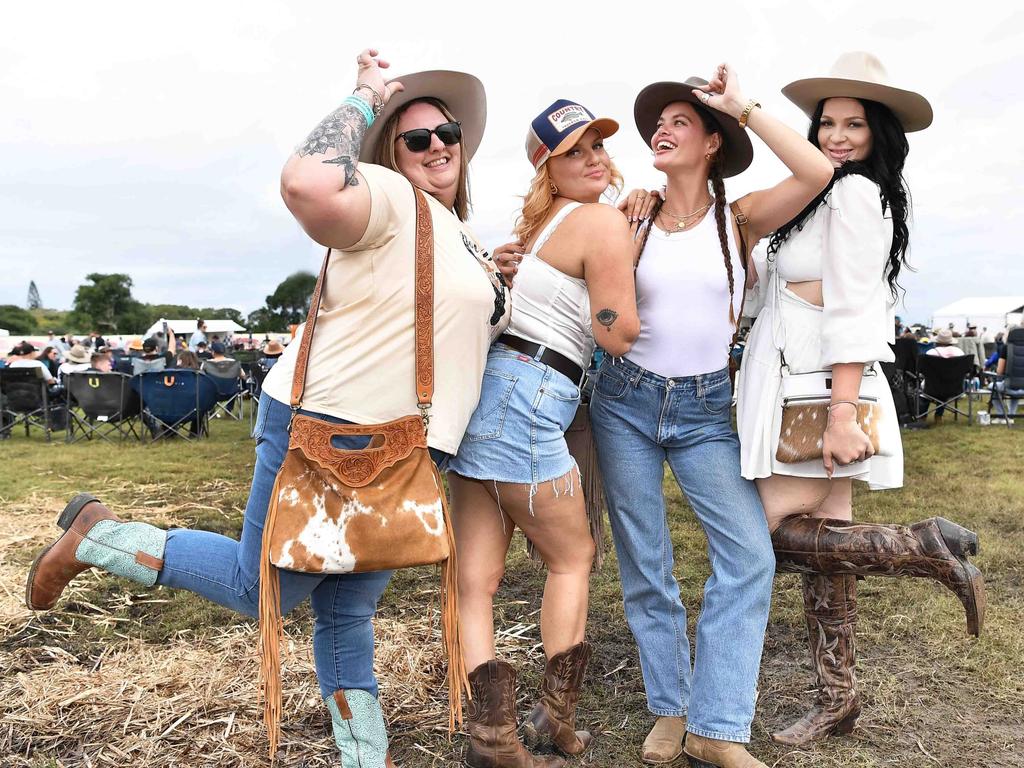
(716, 186)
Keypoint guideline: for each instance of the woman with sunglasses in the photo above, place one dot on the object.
(574, 287)
(350, 185)
(669, 401)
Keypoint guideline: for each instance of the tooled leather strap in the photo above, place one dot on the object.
(741, 227)
(424, 312)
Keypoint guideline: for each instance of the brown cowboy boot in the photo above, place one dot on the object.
(491, 722)
(554, 718)
(93, 536)
(830, 608)
(712, 753)
(665, 741)
(934, 548)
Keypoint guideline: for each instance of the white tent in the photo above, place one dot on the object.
(220, 328)
(4, 332)
(992, 312)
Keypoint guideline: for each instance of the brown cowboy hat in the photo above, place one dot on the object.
(737, 151)
(860, 75)
(462, 93)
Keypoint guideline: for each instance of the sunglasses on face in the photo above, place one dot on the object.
(418, 139)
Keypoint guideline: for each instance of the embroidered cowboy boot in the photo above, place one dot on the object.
(358, 725)
(665, 741)
(830, 609)
(712, 753)
(553, 720)
(94, 536)
(934, 548)
(491, 722)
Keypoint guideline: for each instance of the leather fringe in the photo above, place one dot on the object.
(451, 636)
(271, 632)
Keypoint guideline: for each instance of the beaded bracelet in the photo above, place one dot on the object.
(378, 100)
(362, 106)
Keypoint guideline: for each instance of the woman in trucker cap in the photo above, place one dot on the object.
(574, 287)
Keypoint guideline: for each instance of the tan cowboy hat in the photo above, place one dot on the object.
(737, 151)
(860, 75)
(79, 354)
(463, 94)
(135, 345)
(273, 348)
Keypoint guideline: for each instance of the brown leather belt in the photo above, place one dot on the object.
(556, 360)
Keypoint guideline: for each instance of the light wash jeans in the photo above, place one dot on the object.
(640, 421)
(227, 571)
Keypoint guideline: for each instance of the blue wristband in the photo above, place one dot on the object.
(363, 107)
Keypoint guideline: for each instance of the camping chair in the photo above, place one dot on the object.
(1008, 389)
(226, 375)
(24, 399)
(944, 381)
(256, 376)
(176, 401)
(903, 379)
(108, 404)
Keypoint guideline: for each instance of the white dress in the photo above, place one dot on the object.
(845, 244)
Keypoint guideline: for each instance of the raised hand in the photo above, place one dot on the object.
(370, 74)
(722, 92)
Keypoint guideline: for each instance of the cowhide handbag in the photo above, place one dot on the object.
(802, 413)
(378, 508)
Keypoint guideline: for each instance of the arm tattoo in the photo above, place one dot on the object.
(342, 131)
(606, 317)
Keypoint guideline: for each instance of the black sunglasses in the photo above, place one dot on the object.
(418, 139)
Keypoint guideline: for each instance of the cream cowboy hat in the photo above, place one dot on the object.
(860, 75)
(79, 354)
(462, 93)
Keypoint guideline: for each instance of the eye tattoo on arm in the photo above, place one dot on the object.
(342, 131)
(606, 317)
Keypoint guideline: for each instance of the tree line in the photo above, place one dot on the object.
(105, 303)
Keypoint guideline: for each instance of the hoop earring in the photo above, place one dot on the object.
(552, 188)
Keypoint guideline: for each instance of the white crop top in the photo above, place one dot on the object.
(682, 297)
(550, 307)
(845, 244)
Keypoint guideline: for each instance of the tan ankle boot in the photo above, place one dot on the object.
(712, 753)
(491, 722)
(554, 718)
(934, 548)
(830, 608)
(665, 741)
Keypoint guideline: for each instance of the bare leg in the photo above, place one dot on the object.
(559, 529)
(482, 536)
(783, 496)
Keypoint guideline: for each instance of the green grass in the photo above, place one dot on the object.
(933, 696)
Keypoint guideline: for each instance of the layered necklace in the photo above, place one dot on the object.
(686, 219)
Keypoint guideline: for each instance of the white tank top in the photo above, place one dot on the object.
(550, 307)
(682, 297)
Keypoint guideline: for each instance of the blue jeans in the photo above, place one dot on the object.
(227, 571)
(640, 421)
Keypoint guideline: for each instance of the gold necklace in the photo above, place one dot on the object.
(682, 222)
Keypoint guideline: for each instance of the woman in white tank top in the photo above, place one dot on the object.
(513, 467)
(669, 401)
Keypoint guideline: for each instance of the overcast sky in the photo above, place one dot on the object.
(148, 138)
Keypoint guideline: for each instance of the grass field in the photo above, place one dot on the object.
(120, 675)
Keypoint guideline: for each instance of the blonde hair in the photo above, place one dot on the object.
(385, 153)
(539, 198)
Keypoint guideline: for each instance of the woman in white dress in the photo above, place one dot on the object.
(830, 285)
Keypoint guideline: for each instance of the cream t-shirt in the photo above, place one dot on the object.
(362, 361)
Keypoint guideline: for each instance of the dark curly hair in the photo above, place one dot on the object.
(884, 166)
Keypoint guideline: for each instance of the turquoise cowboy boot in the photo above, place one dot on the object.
(94, 537)
(359, 732)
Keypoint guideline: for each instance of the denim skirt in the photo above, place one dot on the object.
(517, 432)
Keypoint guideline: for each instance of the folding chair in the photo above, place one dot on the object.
(24, 399)
(1008, 389)
(176, 402)
(945, 381)
(108, 406)
(903, 379)
(226, 374)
